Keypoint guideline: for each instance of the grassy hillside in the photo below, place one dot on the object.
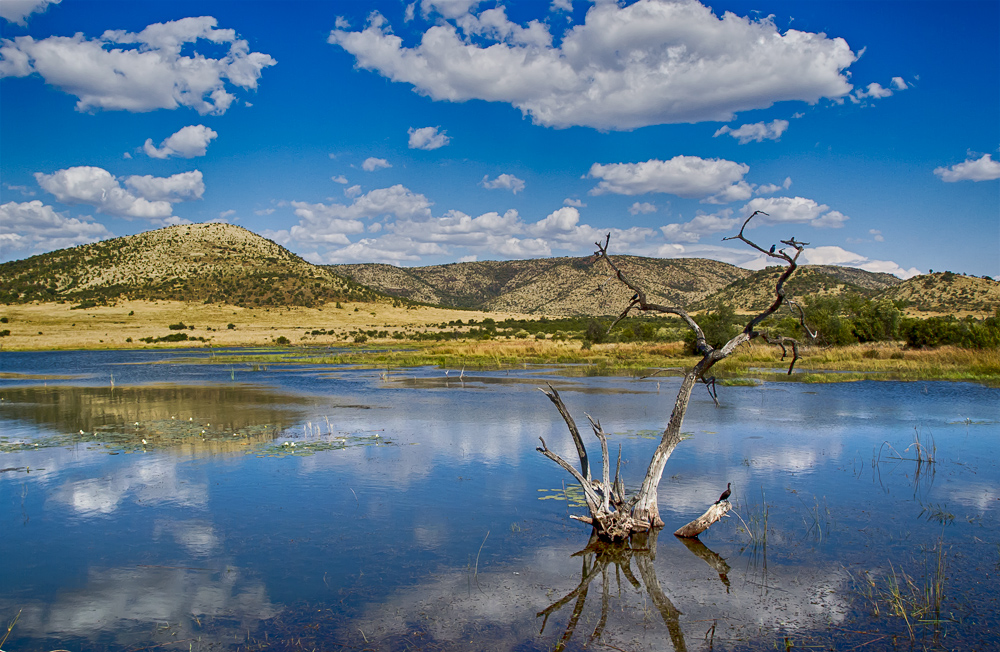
(205, 263)
(948, 294)
(553, 286)
(755, 292)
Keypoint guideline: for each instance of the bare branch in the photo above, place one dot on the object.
(573, 431)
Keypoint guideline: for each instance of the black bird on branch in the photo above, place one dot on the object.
(726, 493)
(773, 247)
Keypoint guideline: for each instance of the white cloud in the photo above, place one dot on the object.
(154, 75)
(703, 224)
(409, 13)
(185, 186)
(188, 142)
(505, 181)
(876, 91)
(339, 179)
(17, 11)
(876, 235)
(838, 256)
(684, 176)
(758, 131)
(146, 196)
(561, 5)
(574, 202)
(226, 214)
(427, 138)
(352, 191)
(332, 223)
(982, 169)
(644, 207)
(794, 210)
(448, 8)
(651, 62)
(341, 23)
(371, 164)
(35, 228)
(771, 188)
(264, 211)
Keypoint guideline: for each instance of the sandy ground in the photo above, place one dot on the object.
(55, 326)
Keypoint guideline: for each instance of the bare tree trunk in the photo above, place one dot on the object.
(703, 522)
(612, 516)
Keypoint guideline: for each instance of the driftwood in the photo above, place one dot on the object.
(612, 515)
(703, 522)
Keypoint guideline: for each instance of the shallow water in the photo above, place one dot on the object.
(413, 511)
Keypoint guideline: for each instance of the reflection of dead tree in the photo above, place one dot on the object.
(612, 515)
(598, 559)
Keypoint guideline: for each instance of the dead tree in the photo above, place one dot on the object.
(613, 514)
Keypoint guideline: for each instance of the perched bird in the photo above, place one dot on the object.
(634, 297)
(773, 247)
(726, 493)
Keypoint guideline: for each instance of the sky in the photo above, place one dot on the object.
(441, 131)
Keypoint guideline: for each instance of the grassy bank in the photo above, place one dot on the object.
(327, 336)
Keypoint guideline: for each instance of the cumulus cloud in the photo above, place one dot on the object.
(758, 131)
(33, 227)
(188, 142)
(371, 164)
(143, 196)
(339, 179)
(982, 169)
(331, 224)
(771, 188)
(794, 210)
(17, 11)
(491, 234)
(651, 62)
(684, 176)
(876, 91)
(703, 224)
(839, 256)
(106, 73)
(427, 138)
(504, 181)
(644, 207)
(574, 202)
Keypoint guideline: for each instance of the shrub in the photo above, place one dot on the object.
(282, 340)
(177, 327)
(231, 326)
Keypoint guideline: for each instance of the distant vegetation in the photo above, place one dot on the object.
(227, 265)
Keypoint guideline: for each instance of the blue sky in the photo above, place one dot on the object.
(437, 131)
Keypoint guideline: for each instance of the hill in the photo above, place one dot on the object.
(948, 294)
(755, 292)
(208, 263)
(552, 286)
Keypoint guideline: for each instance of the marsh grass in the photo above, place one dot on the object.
(755, 525)
(898, 594)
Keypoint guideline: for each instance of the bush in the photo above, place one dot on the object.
(231, 327)
(177, 327)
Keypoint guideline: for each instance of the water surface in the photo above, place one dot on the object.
(413, 511)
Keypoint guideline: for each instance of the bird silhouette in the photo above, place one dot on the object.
(773, 247)
(726, 493)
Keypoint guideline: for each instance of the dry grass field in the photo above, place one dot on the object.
(122, 326)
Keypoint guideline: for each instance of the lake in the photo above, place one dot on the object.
(323, 507)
